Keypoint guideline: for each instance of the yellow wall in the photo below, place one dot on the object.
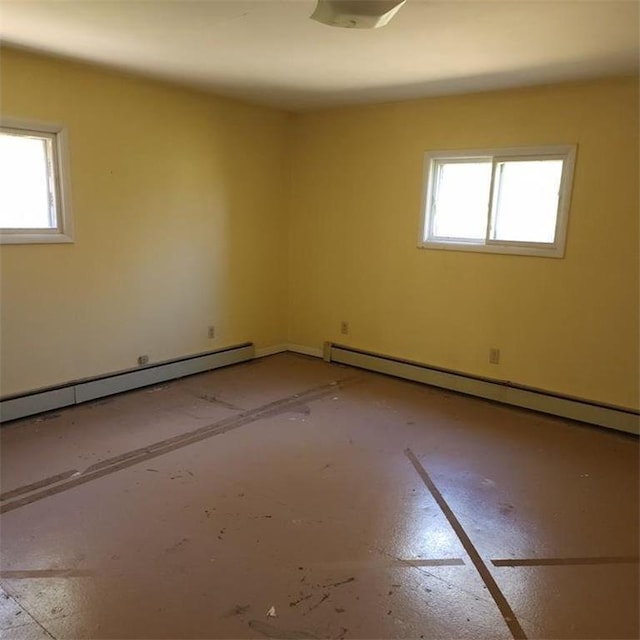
(183, 216)
(179, 207)
(566, 325)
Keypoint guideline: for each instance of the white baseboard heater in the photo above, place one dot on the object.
(76, 392)
(619, 418)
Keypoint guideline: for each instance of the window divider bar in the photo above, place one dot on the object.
(490, 207)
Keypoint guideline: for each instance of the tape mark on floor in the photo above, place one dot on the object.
(435, 562)
(142, 454)
(492, 586)
(553, 562)
(45, 482)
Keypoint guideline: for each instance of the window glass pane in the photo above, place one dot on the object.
(24, 183)
(461, 199)
(525, 203)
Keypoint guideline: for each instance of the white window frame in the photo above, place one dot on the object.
(556, 249)
(59, 164)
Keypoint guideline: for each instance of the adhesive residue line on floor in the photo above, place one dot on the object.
(433, 562)
(492, 586)
(39, 484)
(563, 562)
(71, 479)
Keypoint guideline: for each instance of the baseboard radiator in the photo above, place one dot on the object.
(618, 418)
(76, 392)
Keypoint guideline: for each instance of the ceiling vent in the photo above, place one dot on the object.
(356, 14)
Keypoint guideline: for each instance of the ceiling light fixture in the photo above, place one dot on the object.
(356, 14)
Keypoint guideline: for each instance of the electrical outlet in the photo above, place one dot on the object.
(142, 360)
(211, 332)
(494, 355)
(344, 328)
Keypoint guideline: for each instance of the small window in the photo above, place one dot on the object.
(499, 200)
(33, 202)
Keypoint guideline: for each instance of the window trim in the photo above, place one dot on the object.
(566, 152)
(63, 232)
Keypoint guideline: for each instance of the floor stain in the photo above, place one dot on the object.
(100, 403)
(325, 596)
(48, 416)
(506, 508)
(337, 584)
(208, 397)
(295, 603)
(176, 546)
(238, 610)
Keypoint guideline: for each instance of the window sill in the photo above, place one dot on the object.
(35, 238)
(517, 250)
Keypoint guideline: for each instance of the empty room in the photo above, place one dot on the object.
(319, 319)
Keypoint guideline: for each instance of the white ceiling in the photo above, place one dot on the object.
(269, 52)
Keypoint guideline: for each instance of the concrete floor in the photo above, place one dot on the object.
(355, 505)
